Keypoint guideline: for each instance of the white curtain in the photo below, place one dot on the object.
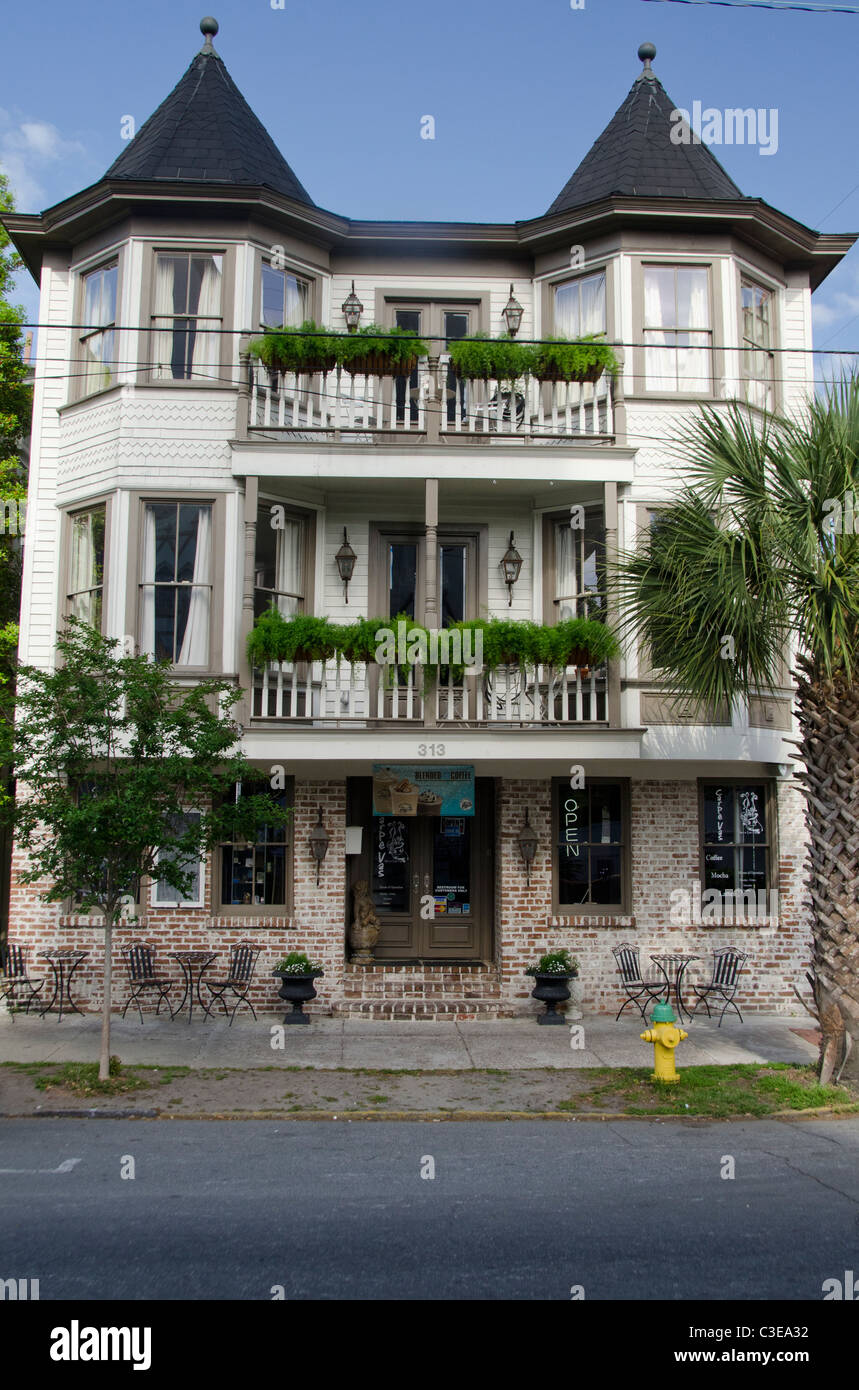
(580, 307)
(693, 365)
(659, 360)
(290, 564)
(147, 635)
(593, 305)
(83, 567)
(162, 337)
(565, 571)
(195, 642)
(206, 351)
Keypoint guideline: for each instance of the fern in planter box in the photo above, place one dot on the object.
(579, 642)
(305, 349)
(562, 359)
(300, 638)
(378, 351)
(481, 358)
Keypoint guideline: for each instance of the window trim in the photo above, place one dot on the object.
(309, 518)
(772, 862)
(382, 532)
(599, 265)
(134, 572)
(244, 910)
(624, 908)
(228, 354)
(583, 273)
(551, 520)
(77, 391)
(265, 261)
(714, 267)
(100, 500)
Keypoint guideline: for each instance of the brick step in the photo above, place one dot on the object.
(437, 1010)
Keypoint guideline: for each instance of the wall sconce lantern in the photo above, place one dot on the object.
(527, 846)
(319, 844)
(352, 309)
(346, 558)
(511, 566)
(512, 312)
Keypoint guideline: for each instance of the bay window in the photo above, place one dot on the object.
(677, 333)
(176, 591)
(283, 298)
(580, 307)
(187, 315)
(757, 305)
(281, 561)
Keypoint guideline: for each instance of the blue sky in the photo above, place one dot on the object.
(518, 93)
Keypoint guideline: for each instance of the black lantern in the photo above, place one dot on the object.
(527, 846)
(512, 312)
(511, 565)
(346, 558)
(319, 844)
(352, 309)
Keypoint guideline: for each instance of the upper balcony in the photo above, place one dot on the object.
(430, 406)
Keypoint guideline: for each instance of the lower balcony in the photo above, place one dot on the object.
(322, 696)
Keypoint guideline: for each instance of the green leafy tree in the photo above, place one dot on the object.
(762, 544)
(109, 754)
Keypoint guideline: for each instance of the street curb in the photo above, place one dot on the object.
(435, 1116)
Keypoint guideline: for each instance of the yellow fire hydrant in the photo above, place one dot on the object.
(665, 1035)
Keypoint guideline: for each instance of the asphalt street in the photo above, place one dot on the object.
(340, 1210)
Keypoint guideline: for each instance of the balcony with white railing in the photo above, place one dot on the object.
(432, 404)
(321, 695)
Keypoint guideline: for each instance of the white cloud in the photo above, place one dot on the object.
(30, 153)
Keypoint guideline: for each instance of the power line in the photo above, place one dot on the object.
(767, 5)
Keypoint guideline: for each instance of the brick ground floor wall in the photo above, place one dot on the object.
(664, 858)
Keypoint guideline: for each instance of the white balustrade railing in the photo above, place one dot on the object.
(337, 400)
(324, 694)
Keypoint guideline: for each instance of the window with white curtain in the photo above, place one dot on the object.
(757, 344)
(283, 298)
(85, 587)
(677, 333)
(186, 316)
(579, 564)
(98, 339)
(176, 591)
(280, 561)
(580, 306)
(163, 894)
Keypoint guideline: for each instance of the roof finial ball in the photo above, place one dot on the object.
(208, 27)
(647, 52)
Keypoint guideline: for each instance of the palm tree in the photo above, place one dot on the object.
(759, 550)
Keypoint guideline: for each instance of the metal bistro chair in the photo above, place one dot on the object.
(15, 976)
(142, 976)
(727, 964)
(243, 960)
(629, 968)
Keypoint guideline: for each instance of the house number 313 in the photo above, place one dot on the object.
(432, 750)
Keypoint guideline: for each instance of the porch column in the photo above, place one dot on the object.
(431, 617)
(613, 678)
(247, 616)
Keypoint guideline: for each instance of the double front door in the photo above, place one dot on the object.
(430, 877)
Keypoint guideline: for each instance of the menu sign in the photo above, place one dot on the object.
(414, 790)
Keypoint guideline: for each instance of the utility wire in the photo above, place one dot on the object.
(767, 5)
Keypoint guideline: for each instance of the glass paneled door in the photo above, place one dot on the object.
(430, 877)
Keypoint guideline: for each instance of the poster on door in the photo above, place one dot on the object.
(409, 789)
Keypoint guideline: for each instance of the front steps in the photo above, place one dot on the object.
(427, 991)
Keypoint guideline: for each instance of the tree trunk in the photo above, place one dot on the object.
(104, 1057)
(829, 720)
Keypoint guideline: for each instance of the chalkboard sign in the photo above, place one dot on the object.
(390, 869)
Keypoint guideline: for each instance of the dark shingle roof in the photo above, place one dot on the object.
(635, 156)
(206, 132)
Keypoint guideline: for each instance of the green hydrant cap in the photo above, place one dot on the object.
(662, 1013)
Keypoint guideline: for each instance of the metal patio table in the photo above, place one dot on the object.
(64, 961)
(673, 966)
(193, 963)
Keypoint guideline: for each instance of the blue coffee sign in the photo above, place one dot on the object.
(413, 789)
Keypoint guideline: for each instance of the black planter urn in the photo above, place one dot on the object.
(551, 990)
(297, 990)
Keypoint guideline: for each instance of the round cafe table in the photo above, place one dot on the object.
(64, 961)
(673, 965)
(193, 965)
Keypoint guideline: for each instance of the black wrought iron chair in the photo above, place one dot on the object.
(16, 977)
(243, 960)
(727, 964)
(144, 978)
(637, 989)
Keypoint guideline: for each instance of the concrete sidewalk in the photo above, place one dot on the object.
(331, 1043)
